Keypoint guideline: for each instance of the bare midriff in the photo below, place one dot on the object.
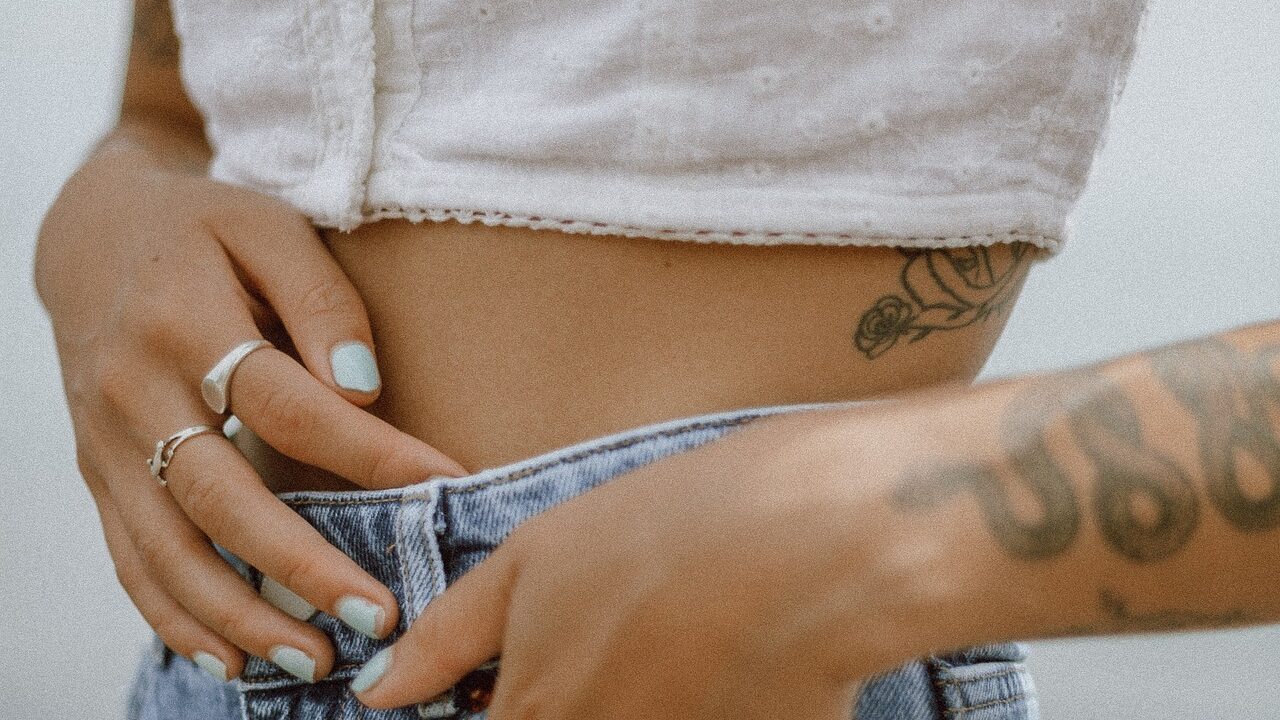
(497, 344)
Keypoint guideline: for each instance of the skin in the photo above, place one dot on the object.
(592, 335)
(1137, 495)
(150, 273)
(501, 343)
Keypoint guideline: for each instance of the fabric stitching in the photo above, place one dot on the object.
(580, 456)
(359, 151)
(573, 225)
(409, 594)
(992, 703)
(979, 678)
(278, 676)
(525, 472)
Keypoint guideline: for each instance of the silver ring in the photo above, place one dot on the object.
(216, 384)
(167, 447)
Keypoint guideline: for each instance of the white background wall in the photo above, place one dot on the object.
(1178, 235)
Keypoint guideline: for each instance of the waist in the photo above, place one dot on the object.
(420, 539)
(498, 343)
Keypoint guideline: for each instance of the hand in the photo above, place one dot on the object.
(149, 278)
(711, 584)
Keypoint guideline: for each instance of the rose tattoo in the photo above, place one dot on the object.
(943, 289)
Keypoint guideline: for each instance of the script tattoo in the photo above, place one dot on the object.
(1230, 395)
(942, 289)
(153, 31)
(1145, 505)
(1129, 474)
(1058, 518)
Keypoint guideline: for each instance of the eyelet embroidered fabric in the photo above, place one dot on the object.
(919, 123)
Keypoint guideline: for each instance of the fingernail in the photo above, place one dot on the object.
(286, 600)
(210, 664)
(295, 662)
(363, 616)
(372, 671)
(354, 367)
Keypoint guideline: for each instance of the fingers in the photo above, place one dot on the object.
(295, 414)
(179, 558)
(457, 632)
(218, 489)
(320, 308)
(181, 632)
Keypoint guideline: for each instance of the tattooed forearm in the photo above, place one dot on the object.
(1231, 397)
(153, 34)
(1145, 505)
(1118, 618)
(943, 289)
(1057, 519)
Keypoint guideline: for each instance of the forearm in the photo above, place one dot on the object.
(1138, 495)
(159, 127)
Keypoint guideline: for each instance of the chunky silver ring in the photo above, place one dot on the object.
(216, 384)
(167, 447)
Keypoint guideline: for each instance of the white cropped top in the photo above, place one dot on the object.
(921, 123)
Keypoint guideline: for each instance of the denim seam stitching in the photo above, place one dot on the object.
(583, 455)
(978, 678)
(409, 594)
(291, 680)
(525, 472)
(1002, 701)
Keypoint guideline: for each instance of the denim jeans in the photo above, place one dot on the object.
(421, 538)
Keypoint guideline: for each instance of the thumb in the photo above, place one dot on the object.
(457, 632)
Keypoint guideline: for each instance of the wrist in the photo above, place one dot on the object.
(158, 144)
(898, 585)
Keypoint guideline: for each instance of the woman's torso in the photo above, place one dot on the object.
(499, 343)
(908, 123)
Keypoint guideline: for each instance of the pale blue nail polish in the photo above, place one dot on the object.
(295, 662)
(286, 600)
(372, 671)
(354, 367)
(210, 664)
(363, 616)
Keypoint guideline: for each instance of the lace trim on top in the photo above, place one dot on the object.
(493, 218)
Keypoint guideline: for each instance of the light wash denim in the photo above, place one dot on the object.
(419, 539)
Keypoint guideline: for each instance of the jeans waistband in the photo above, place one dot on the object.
(418, 539)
